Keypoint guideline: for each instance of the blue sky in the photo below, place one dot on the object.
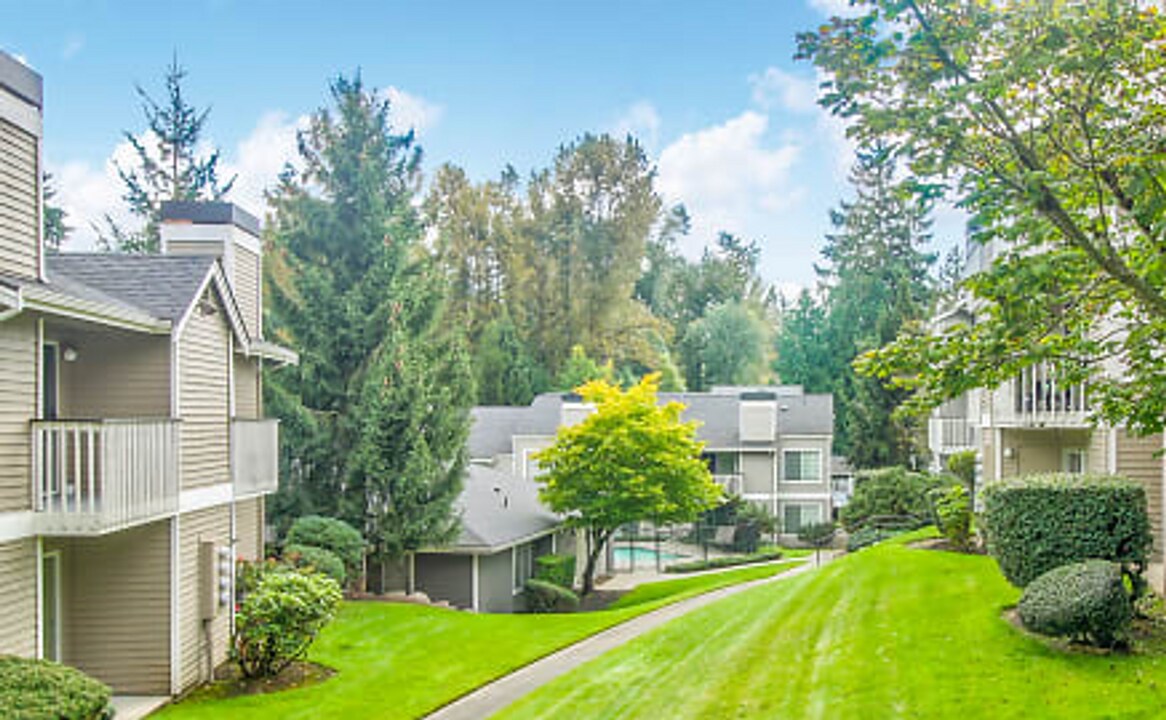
(710, 88)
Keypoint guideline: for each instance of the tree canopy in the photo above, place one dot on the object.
(1045, 122)
(631, 459)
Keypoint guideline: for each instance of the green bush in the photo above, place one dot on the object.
(867, 536)
(892, 491)
(547, 597)
(1085, 601)
(1036, 523)
(279, 619)
(43, 690)
(817, 535)
(308, 556)
(337, 536)
(953, 512)
(555, 569)
(724, 562)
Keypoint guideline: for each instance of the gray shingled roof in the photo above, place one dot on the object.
(806, 415)
(162, 286)
(717, 415)
(498, 510)
(491, 429)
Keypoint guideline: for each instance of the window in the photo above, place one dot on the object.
(523, 558)
(802, 465)
(795, 516)
(1074, 461)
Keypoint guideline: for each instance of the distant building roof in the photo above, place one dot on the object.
(499, 510)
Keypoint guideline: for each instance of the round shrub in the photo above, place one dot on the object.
(556, 569)
(1085, 601)
(336, 536)
(892, 491)
(43, 690)
(307, 556)
(953, 512)
(1039, 522)
(280, 618)
(545, 597)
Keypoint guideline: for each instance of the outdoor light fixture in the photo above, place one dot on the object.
(69, 353)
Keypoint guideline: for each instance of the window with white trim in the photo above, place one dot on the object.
(1075, 461)
(802, 465)
(523, 565)
(795, 516)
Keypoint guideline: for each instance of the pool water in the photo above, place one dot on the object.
(642, 556)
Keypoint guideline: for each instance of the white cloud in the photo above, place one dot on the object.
(411, 112)
(729, 178)
(642, 122)
(776, 87)
(87, 193)
(832, 8)
(260, 157)
(73, 45)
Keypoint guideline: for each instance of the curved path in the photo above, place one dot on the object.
(492, 697)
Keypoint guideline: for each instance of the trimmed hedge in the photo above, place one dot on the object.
(43, 690)
(318, 558)
(1085, 601)
(336, 536)
(556, 569)
(1036, 523)
(723, 562)
(546, 597)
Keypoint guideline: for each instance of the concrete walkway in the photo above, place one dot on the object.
(491, 698)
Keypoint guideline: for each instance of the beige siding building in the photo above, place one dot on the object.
(134, 455)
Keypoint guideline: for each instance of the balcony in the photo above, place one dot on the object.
(731, 484)
(91, 477)
(947, 435)
(1039, 400)
(254, 456)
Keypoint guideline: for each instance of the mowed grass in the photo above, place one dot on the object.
(404, 661)
(890, 632)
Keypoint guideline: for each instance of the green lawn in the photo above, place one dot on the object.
(403, 661)
(890, 632)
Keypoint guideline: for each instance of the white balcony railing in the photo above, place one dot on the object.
(254, 456)
(949, 435)
(96, 476)
(731, 484)
(1039, 399)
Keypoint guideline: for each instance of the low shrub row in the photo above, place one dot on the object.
(43, 690)
(547, 597)
(724, 562)
(331, 546)
(556, 569)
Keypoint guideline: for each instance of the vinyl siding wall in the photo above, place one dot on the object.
(204, 365)
(19, 202)
(115, 375)
(249, 528)
(247, 404)
(18, 387)
(18, 598)
(496, 583)
(445, 577)
(1136, 460)
(246, 287)
(115, 607)
(757, 472)
(213, 525)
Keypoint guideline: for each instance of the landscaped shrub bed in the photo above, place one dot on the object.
(1087, 602)
(893, 491)
(724, 562)
(547, 597)
(557, 569)
(43, 690)
(317, 558)
(335, 536)
(1040, 522)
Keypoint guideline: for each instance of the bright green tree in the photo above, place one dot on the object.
(632, 459)
(169, 164)
(804, 355)
(1044, 121)
(376, 414)
(506, 373)
(581, 369)
(725, 347)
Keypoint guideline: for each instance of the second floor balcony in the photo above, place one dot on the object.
(947, 435)
(91, 477)
(254, 456)
(1039, 398)
(732, 484)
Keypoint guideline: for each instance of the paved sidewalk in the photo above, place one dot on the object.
(491, 698)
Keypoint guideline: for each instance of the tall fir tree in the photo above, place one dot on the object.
(377, 410)
(167, 166)
(56, 228)
(803, 346)
(506, 374)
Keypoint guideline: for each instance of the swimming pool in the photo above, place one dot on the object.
(641, 556)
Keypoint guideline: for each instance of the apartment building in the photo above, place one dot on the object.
(135, 455)
(1034, 424)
